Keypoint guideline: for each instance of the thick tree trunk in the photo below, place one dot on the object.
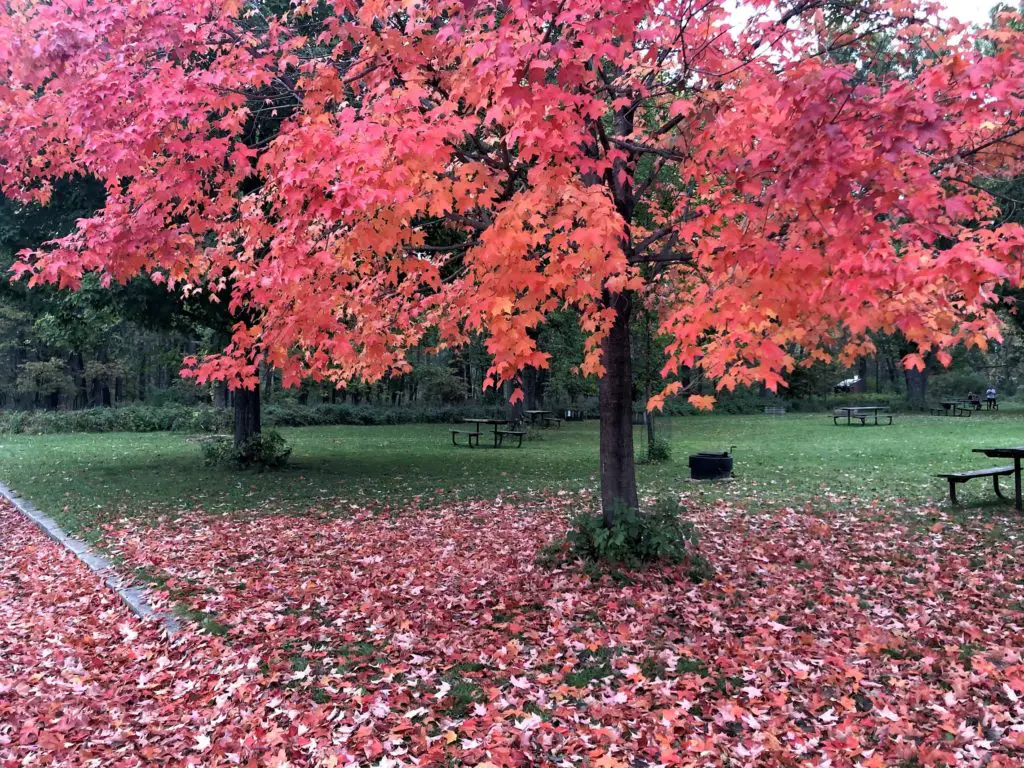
(618, 473)
(648, 375)
(247, 414)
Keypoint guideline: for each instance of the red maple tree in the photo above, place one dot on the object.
(780, 184)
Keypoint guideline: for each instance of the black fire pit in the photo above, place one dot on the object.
(710, 466)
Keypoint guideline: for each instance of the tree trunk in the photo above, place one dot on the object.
(247, 414)
(81, 397)
(220, 394)
(890, 369)
(917, 386)
(618, 473)
(530, 378)
(648, 384)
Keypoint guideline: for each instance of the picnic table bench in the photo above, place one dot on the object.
(473, 435)
(1015, 452)
(501, 434)
(955, 478)
(861, 414)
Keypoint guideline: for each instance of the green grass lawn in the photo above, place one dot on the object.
(86, 479)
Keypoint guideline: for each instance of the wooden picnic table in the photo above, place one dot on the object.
(496, 422)
(547, 418)
(1015, 452)
(960, 406)
(499, 434)
(861, 413)
(536, 414)
(955, 407)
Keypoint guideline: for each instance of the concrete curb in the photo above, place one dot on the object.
(133, 597)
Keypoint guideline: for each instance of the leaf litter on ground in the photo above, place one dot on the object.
(432, 637)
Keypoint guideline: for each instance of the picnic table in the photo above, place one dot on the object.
(473, 436)
(861, 413)
(959, 407)
(1016, 453)
(547, 418)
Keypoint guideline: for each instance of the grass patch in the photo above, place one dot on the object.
(687, 665)
(207, 621)
(463, 696)
(87, 480)
(591, 667)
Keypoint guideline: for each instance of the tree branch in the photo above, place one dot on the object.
(641, 149)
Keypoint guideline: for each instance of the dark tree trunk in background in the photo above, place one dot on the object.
(101, 392)
(77, 365)
(247, 414)
(890, 370)
(220, 394)
(530, 382)
(862, 372)
(618, 474)
(917, 386)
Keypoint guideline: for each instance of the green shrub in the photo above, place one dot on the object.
(267, 450)
(201, 419)
(325, 414)
(197, 419)
(218, 450)
(659, 450)
(659, 535)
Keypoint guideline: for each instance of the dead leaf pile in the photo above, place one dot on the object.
(432, 637)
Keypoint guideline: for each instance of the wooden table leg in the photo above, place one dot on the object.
(1016, 482)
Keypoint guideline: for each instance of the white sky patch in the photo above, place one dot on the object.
(975, 11)
(970, 11)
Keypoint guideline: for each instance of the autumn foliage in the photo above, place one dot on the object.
(847, 639)
(356, 174)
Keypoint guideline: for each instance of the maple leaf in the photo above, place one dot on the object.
(702, 402)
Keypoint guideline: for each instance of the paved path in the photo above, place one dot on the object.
(84, 681)
(134, 597)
